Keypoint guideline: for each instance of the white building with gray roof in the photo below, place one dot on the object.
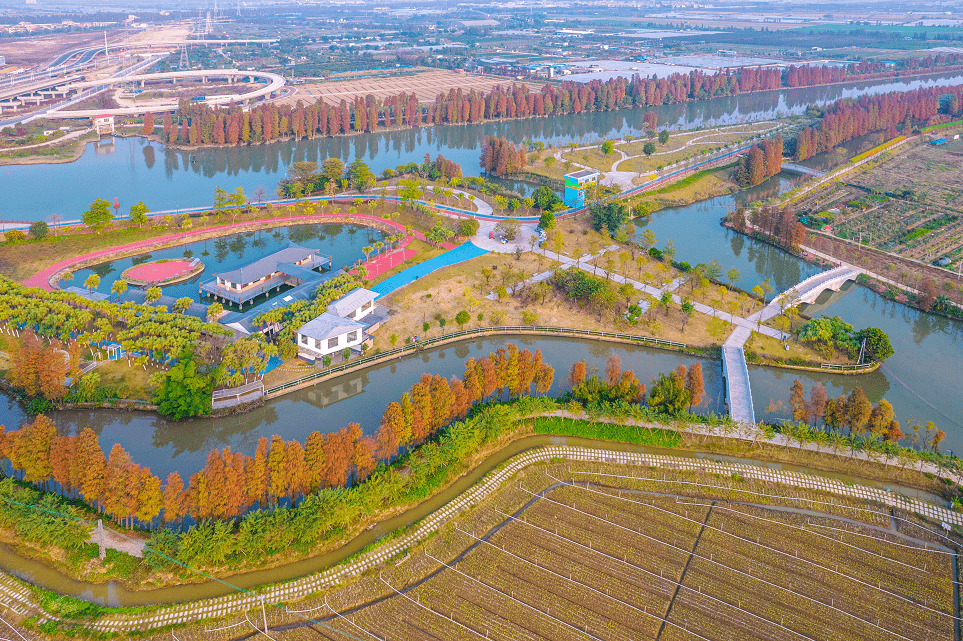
(345, 325)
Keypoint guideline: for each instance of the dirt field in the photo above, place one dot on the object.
(647, 554)
(35, 50)
(424, 83)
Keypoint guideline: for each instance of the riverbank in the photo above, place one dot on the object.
(746, 454)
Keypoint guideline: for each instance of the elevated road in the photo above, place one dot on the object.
(275, 84)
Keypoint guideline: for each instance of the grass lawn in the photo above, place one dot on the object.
(133, 381)
(770, 348)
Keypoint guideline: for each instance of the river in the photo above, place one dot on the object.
(920, 379)
(131, 169)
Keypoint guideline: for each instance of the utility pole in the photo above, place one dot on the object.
(106, 51)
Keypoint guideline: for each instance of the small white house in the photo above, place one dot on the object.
(340, 327)
(328, 334)
(356, 304)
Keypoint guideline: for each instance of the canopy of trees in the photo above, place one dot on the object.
(500, 157)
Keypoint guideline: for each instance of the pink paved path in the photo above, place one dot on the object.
(156, 272)
(386, 262)
(42, 279)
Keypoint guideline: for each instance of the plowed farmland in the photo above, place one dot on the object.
(608, 552)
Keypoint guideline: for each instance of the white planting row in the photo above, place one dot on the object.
(15, 595)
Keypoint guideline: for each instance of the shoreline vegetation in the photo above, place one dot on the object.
(594, 408)
(199, 127)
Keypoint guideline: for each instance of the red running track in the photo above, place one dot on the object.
(157, 272)
(42, 278)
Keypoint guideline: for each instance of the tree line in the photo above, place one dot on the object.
(762, 161)
(500, 157)
(780, 226)
(858, 415)
(201, 124)
(847, 118)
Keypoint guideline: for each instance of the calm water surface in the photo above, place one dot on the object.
(131, 169)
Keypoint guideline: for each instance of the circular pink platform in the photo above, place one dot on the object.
(161, 271)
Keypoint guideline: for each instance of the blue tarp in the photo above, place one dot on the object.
(460, 254)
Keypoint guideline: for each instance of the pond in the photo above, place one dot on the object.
(343, 242)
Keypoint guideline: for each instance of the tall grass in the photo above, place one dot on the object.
(561, 426)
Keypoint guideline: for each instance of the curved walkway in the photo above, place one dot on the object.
(14, 594)
(42, 278)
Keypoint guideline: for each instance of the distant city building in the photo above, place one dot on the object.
(575, 184)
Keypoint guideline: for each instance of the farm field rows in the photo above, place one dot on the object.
(907, 205)
(600, 551)
(424, 83)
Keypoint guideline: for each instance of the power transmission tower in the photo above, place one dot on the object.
(185, 63)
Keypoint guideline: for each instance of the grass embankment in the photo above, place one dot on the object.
(561, 426)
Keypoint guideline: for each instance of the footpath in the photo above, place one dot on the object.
(42, 278)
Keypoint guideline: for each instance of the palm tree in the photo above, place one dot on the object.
(119, 287)
(366, 250)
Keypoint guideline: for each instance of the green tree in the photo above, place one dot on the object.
(611, 216)
(360, 175)
(547, 220)
(332, 170)
(118, 287)
(877, 343)
(181, 305)
(545, 198)
(648, 240)
(214, 310)
(184, 390)
(138, 214)
(92, 282)
(608, 147)
(669, 395)
(462, 318)
(39, 230)
(663, 136)
(648, 148)
(99, 215)
(152, 295)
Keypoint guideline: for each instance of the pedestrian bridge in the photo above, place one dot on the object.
(734, 369)
(807, 291)
(800, 169)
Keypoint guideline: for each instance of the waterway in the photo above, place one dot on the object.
(920, 380)
(131, 169)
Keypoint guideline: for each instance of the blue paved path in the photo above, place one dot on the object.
(460, 254)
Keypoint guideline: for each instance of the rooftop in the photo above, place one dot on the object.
(268, 265)
(352, 301)
(583, 173)
(328, 325)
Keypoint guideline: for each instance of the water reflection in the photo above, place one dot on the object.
(188, 177)
(344, 244)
